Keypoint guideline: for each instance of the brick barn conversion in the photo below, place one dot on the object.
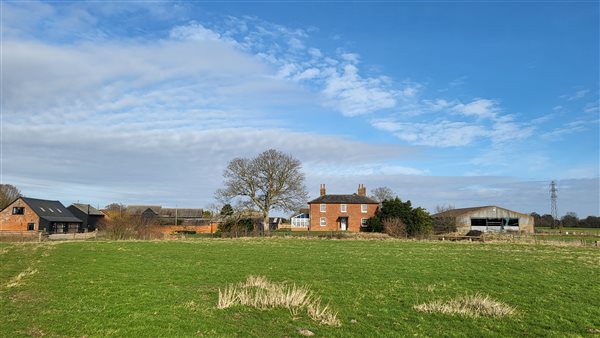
(487, 219)
(330, 212)
(30, 214)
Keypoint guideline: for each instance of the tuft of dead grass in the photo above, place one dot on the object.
(261, 293)
(17, 280)
(468, 306)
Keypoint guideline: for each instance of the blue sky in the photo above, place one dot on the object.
(447, 103)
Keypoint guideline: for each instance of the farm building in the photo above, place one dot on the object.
(31, 214)
(486, 219)
(88, 214)
(330, 212)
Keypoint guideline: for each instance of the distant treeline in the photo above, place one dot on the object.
(570, 220)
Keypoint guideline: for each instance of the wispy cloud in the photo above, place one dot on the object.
(480, 119)
(575, 96)
(569, 128)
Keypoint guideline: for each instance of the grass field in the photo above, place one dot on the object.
(170, 288)
(591, 231)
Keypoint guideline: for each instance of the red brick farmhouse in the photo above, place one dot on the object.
(341, 212)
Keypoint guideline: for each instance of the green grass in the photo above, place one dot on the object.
(169, 288)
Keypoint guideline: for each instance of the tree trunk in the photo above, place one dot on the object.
(266, 229)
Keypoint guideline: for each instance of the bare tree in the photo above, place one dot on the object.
(115, 207)
(382, 193)
(444, 222)
(8, 194)
(272, 180)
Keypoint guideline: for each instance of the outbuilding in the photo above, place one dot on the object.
(88, 214)
(487, 219)
(31, 214)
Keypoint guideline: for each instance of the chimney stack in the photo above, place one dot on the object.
(362, 191)
(322, 190)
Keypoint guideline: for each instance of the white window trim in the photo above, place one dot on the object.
(323, 221)
(364, 208)
(363, 222)
(323, 207)
(343, 208)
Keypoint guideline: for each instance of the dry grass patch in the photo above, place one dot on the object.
(468, 306)
(17, 280)
(260, 293)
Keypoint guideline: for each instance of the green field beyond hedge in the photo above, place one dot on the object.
(162, 288)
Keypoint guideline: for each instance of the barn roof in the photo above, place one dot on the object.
(462, 211)
(181, 212)
(138, 209)
(52, 211)
(346, 199)
(85, 207)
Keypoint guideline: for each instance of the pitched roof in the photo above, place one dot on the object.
(85, 207)
(52, 211)
(347, 199)
(138, 209)
(462, 211)
(181, 212)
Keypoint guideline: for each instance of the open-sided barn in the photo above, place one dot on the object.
(486, 219)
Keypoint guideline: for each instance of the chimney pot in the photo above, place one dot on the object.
(322, 190)
(362, 191)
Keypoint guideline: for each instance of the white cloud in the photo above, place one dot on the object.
(481, 120)
(438, 134)
(591, 107)
(480, 108)
(575, 96)
(354, 95)
(569, 128)
(194, 31)
(308, 74)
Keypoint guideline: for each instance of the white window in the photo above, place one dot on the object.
(42, 209)
(363, 222)
(343, 208)
(323, 221)
(59, 210)
(50, 209)
(363, 208)
(323, 207)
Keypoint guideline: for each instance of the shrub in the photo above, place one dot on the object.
(374, 224)
(416, 221)
(237, 227)
(394, 227)
(118, 225)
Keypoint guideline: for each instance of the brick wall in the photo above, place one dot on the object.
(199, 229)
(10, 222)
(333, 212)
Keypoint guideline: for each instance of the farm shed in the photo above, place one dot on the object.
(88, 214)
(487, 219)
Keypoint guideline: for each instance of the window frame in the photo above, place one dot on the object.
(364, 208)
(323, 207)
(323, 221)
(363, 222)
(30, 226)
(18, 210)
(343, 207)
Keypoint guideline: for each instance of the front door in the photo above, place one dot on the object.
(343, 223)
